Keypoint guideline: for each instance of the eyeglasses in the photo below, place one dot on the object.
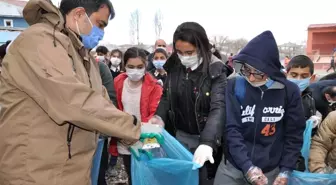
(161, 46)
(247, 71)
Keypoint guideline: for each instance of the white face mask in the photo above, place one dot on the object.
(115, 61)
(256, 84)
(331, 102)
(135, 74)
(100, 58)
(189, 61)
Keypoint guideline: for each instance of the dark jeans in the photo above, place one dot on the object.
(191, 142)
(127, 164)
(113, 161)
(103, 164)
(227, 174)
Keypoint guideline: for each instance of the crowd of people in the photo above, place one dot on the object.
(242, 119)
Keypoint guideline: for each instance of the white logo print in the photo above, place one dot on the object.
(275, 114)
(248, 114)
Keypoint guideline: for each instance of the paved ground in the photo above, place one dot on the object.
(118, 175)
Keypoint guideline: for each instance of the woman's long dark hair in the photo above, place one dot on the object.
(121, 65)
(195, 34)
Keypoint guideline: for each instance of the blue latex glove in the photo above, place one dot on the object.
(147, 131)
(135, 149)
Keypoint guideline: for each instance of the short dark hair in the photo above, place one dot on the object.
(329, 90)
(330, 76)
(90, 6)
(160, 50)
(102, 49)
(195, 34)
(135, 52)
(301, 61)
(3, 49)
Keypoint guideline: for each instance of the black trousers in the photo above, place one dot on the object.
(103, 164)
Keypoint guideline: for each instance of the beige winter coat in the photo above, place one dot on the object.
(49, 86)
(323, 145)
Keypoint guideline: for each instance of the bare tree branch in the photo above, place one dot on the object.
(135, 26)
(220, 42)
(158, 19)
(226, 45)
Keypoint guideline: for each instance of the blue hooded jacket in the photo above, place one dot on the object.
(266, 128)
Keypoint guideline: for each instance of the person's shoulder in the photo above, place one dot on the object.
(104, 69)
(120, 78)
(42, 36)
(291, 87)
(102, 65)
(216, 67)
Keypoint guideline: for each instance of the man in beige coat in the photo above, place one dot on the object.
(322, 158)
(52, 96)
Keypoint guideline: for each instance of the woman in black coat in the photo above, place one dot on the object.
(193, 104)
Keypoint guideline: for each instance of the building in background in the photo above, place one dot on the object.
(321, 43)
(12, 22)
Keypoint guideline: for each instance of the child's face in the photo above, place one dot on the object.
(300, 73)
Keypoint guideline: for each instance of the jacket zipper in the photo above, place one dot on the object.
(188, 94)
(256, 127)
(197, 97)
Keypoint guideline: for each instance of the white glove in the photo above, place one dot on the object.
(202, 154)
(316, 120)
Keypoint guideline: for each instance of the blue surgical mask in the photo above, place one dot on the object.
(302, 83)
(159, 64)
(92, 39)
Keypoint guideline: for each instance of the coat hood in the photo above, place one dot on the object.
(37, 11)
(262, 53)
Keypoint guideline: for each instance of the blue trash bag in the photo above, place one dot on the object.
(175, 169)
(96, 162)
(307, 178)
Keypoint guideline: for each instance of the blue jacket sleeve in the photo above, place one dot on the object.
(293, 129)
(235, 140)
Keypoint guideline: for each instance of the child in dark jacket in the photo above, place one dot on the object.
(264, 128)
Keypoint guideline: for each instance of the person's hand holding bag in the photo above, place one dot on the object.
(202, 154)
(147, 130)
(255, 176)
(282, 178)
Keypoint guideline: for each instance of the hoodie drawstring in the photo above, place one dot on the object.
(54, 32)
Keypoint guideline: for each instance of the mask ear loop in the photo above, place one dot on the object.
(89, 19)
(78, 28)
(89, 22)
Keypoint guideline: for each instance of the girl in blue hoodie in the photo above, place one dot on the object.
(265, 119)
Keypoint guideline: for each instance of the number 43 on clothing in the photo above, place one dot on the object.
(268, 130)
